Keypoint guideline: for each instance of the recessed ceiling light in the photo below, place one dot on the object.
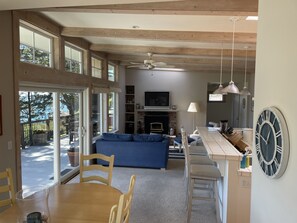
(251, 18)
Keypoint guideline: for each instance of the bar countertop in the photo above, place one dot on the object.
(217, 146)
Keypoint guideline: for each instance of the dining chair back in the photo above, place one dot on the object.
(7, 187)
(113, 214)
(105, 170)
(125, 202)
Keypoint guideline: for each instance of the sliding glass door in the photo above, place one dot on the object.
(51, 136)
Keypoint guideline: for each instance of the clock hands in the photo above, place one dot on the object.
(268, 136)
(263, 139)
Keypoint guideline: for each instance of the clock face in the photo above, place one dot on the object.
(272, 142)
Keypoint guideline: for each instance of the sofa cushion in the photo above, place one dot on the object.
(116, 137)
(147, 138)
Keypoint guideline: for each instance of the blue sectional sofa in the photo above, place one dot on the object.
(138, 150)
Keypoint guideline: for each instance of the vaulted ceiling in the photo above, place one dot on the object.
(186, 34)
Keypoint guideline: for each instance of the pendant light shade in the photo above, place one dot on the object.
(232, 88)
(219, 90)
(245, 91)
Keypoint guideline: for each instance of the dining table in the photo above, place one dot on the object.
(75, 203)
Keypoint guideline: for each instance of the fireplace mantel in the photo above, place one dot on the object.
(156, 110)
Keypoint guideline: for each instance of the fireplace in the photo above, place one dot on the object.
(156, 122)
(145, 118)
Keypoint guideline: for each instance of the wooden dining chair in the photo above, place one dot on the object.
(113, 214)
(121, 213)
(104, 170)
(7, 188)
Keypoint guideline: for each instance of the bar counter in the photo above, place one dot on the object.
(235, 186)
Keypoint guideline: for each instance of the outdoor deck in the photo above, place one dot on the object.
(38, 166)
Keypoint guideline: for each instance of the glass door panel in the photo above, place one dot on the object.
(69, 132)
(36, 129)
(43, 160)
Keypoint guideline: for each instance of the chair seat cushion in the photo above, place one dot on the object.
(202, 160)
(197, 150)
(204, 172)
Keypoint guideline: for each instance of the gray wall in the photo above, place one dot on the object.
(7, 155)
(184, 87)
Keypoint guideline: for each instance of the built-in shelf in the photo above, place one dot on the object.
(130, 109)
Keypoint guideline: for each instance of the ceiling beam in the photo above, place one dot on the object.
(207, 37)
(190, 7)
(170, 50)
(126, 59)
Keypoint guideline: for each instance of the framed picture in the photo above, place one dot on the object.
(1, 115)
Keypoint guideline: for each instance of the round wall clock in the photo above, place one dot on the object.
(272, 142)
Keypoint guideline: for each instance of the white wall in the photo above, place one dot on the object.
(7, 157)
(184, 87)
(274, 200)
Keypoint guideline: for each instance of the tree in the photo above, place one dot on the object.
(71, 101)
(34, 106)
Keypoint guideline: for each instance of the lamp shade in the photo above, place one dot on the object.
(193, 107)
(219, 90)
(231, 88)
(245, 91)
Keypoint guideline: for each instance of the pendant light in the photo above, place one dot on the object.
(232, 88)
(219, 90)
(245, 91)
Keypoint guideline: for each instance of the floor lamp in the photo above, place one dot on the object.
(193, 107)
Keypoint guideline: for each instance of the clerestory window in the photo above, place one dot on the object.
(73, 59)
(96, 67)
(111, 72)
(35, 47)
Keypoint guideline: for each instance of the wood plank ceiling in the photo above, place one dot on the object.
(186, 34)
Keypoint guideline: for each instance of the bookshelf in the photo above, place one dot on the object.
(130, 109)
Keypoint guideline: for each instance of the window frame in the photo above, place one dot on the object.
(41, 32)
(209, 101)
(115, 71)
(101, 70)
(115, 118)
(74, 47)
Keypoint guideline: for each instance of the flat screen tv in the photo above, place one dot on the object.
(156, 100)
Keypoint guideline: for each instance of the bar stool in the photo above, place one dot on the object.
(201, 177)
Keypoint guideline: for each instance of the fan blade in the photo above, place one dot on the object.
(166, 66)
(158, 63)
(136, 63)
